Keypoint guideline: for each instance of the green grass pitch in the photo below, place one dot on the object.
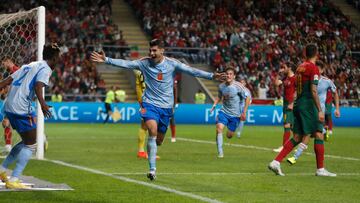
(190, 166)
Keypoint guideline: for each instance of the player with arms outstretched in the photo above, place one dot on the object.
(232, 94)
(158, 97)
(25, 83)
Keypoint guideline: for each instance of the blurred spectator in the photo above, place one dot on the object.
(200, 97)
(120, 95)
(56, 97)
(262, 90)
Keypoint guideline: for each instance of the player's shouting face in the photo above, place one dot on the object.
(156, 53)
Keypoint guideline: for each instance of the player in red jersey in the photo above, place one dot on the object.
(10, 68)
(308, 115)
(289, 96)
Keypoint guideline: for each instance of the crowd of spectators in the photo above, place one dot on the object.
(77, 25)
(255, 37)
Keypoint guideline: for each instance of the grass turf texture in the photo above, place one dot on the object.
(241, 176)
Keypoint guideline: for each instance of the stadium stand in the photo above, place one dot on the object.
(77, 25)
(256, 36)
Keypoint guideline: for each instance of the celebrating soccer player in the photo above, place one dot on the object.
(289, 97)
(25, 83)
(232, 94)
(308, 115)
(325, 85)
(158, 97)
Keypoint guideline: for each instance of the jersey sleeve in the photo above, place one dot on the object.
(193, 71)
(44, 75)
(314, 75)
(136, 64)
(332, 86)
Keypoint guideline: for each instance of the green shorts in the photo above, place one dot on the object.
(306, 120)
(288, 116)
(328, 109)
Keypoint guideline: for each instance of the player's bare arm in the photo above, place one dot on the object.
(317, 102)
(247, 104)
(337, 106)
(217, 100)
(219, 76)
(39, 93)
(6, 82)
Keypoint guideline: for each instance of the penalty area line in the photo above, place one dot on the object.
(129, 180)
(261, 148)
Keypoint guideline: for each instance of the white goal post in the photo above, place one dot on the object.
(22, 38)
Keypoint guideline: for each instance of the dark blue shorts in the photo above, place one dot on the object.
(160, 115)
(21, 123)
(229, 121)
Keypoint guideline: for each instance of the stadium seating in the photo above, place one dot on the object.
(256, 36)
(77, 26)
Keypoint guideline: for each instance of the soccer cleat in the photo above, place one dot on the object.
(238, 135)
(278, 149)
(173, 139)
(151, 175)
(324, 172)
(220, 156)
(15, 185)
(3, 177)
(327, 135)
(142, 155)
(275, 167)
(291, 160)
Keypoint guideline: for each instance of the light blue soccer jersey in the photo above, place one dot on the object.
(233, 96)
(322, 88)
(22, 89)
(248, 94)
(159, 78)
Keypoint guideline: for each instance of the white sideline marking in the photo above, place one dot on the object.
(261, 148)
(125, 179)
(231, 173)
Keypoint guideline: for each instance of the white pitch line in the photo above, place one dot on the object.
(230, 174)
(125, 179)
(261, 148)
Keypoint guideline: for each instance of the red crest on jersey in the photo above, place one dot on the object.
(160, 76)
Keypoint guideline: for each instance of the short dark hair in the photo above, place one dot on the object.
(230, 68)
(311, 50)
(291, 65)
(320, 64)
(51, 51)
(156, 42)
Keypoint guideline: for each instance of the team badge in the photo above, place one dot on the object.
(160, 76)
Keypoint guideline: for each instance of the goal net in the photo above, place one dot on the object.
(22, 37)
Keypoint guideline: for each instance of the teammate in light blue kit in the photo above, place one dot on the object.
(323, 86)
(233, 95)
(242, 122)
(25, 83)
(158, 97)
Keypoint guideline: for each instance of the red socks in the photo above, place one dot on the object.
(286, 136)
(319, 152)
(173, 131)
(7, 134)
(288, 146)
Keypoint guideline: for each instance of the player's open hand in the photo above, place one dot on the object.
(219, 76)
(98, 56)
(321, 117)
(337, 113)
(46, 111)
